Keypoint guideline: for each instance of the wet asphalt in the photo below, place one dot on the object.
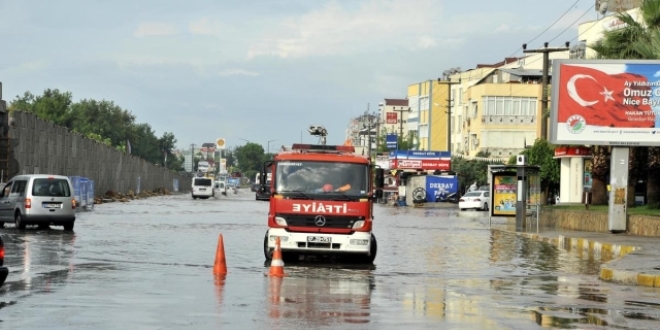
(147, 264)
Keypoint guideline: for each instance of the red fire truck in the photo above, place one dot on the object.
(321, 202)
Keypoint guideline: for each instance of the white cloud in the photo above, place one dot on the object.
(381, 25)
(205, 26)
(572, 18)
(146, 29)
(334, 29)
(30, 66)
(657, 74)
(233, 72)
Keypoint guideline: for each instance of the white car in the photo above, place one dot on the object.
(477, 200)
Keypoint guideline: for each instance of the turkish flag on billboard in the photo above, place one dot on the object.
(604, 95)
(391, 117)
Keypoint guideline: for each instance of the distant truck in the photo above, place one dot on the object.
(321, 202)
(203, 166)
(262, 194)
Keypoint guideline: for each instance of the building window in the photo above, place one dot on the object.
(507, 107)
(516, 107)
(491, 107)
(525, 107)
(499, 107)
(532, 107)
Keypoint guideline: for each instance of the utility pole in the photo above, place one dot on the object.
(368, 132)
(192, 158)
(544, 82)
(450, 102)
(400, 111)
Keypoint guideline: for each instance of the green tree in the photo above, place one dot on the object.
(249, 156)
(167, 144)
(542, 154)
(469, 171)
(406, 143)
(53, 105)
(103, 118)
(145, 144)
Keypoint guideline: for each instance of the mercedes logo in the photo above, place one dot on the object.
(319, 220)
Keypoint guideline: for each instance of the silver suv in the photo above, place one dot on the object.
(40, 199)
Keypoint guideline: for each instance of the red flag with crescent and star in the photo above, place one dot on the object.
(601, 98)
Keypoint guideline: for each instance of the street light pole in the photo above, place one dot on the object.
(269, 144)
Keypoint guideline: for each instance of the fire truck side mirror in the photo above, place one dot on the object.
(380, 178)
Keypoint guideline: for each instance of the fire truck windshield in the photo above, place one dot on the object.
(321, 178)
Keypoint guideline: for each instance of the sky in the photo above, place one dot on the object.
(264, 70)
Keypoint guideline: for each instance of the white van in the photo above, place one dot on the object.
(202, 188)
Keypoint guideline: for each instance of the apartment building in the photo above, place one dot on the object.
(393, 116)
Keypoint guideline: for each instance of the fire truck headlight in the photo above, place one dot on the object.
(280, 221)
(282, 238)
(358, 224)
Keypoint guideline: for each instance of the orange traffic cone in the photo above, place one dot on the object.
(277, 265)
(220, 265)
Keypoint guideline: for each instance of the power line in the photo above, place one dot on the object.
(549, 27)
(570, 26)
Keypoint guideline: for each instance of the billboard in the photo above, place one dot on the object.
(420, 160)
(438, 188)
(383, 162)
(391, 118)
(605, 102)
(421, 164)
(391, 141)
(220, 143)
(504, 194)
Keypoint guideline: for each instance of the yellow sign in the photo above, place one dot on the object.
(504, 195)
(220, 143)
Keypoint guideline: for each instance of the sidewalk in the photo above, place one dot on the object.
(628, 259)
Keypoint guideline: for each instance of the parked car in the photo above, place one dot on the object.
(4, 271)
(40, 199)
(477, 200)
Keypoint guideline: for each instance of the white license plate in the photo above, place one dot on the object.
(319, 239)
(51, 206)
(202, 189)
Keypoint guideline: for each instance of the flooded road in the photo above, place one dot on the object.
(147, 264)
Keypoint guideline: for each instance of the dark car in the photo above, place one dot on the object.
(3, 270)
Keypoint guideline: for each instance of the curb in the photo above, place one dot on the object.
(607, 252)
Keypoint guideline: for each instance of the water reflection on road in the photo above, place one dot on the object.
(147, 264)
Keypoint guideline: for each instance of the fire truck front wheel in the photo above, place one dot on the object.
(267, 252)
(372, 250)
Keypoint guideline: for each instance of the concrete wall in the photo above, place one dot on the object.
(40, 147)
(642, 225)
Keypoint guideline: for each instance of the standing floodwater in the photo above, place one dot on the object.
(147, 264)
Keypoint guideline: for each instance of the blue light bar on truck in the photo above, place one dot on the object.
(320, 147)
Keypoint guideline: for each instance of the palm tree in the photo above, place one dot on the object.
(638, 39)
